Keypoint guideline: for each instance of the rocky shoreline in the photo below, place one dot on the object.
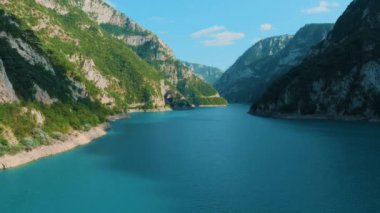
(73, 140)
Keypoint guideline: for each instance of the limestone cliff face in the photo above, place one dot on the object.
(80, 72)
(124, 28)
(7, 93)
(340, 79)
(146, 44)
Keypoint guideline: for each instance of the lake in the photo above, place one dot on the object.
(207, 160)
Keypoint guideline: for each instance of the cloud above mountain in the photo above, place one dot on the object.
(266, 27)
(323, 7)
(217, 36)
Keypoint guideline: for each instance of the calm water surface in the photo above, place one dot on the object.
(207, 160)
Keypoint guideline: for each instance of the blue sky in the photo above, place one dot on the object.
(217, 32)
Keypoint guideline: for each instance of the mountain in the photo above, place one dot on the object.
(259, 74)
(153, 50)
(341, 77)
(62, 71)
(235, 84)
(209, 74)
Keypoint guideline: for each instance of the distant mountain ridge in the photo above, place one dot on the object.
(341, 77)
(209, 74)
(249, 77)
(235, 82)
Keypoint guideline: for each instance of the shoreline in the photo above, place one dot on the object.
(74, 140)
(163, 109)
(315, 117)
(212, 106)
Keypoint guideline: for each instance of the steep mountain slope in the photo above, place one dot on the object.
(152, 49)
(341, 77)
(249, 88)
(209, 74)
(60, 72)
(235, 83)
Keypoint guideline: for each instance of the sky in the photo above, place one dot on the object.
(217, 32)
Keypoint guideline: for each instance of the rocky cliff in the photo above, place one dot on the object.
(207, 73)
(152, 49)
(235, 84)
(340, 79)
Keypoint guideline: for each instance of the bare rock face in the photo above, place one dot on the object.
(27, 52)
(93, 75)
(371, 76)
(42, 96)
(7, 94)
(102, 12)
(52, 4)
(78, 90)
(163, 51)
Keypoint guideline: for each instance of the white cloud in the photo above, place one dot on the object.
(266, 27)
(323, 7)
(110, 3)
(223, 39)
(217, 36)
(208, 31)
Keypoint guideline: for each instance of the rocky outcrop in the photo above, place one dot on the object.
(92, 74)
(102, 12)
(340, 79)
(27, 52)
(52, 4)
(7, 94)
(207, 73)
(43, 96)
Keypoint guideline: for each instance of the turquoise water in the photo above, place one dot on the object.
(207, 160)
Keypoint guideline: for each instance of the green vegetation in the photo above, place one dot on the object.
(191, 87)
(118, 31)
(73, 45)
(131, 79)
(200, 93)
